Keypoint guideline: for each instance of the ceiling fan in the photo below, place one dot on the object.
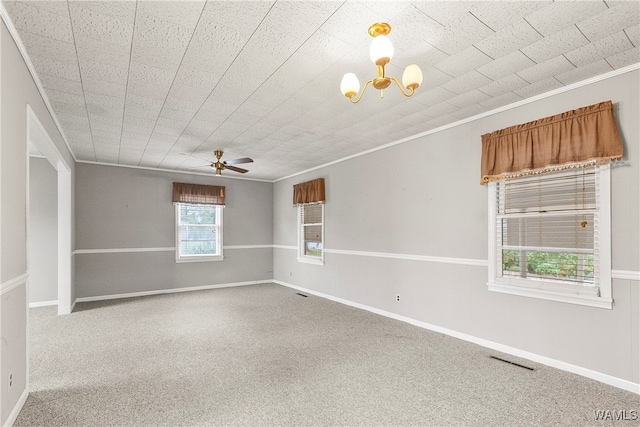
(228, 164)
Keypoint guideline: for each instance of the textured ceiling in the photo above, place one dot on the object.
(144, 82)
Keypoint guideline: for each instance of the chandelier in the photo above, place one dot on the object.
(381, 52)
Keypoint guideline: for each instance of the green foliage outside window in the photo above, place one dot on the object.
(198, 230)
(554, 265)
(313, 249)
(194, 214)
(198, 248)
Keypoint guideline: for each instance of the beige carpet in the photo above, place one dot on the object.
(263, 355)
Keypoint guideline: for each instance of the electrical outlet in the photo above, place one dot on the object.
(10, 380)
(397, 297)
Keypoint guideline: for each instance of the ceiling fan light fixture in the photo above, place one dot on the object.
(227, 165)
(381, 52)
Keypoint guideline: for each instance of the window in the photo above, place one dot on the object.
(309, 197)
(198, 232)
(311, 233)
(550, 236)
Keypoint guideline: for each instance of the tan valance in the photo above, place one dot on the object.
(309, 192)
(198, 194)
(578, 138)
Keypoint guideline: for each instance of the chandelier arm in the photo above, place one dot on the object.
(407, 94)
(359, 97)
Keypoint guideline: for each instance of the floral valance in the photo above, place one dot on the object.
(309, 192)
(198, 194)
(577, 138)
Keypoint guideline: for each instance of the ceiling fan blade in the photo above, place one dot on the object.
(200, 167)
(195, 157)
(235, 169)
(238, 161)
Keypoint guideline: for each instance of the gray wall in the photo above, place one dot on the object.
(119, 208)
(430, 203)
(43, 231)
(17, 90)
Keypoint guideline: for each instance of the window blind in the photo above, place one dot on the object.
(311, 233)
(312, 214)
(548, 227)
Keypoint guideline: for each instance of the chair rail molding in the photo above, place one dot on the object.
(11, 284)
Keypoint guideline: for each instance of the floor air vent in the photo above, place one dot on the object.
(302, 295)
(512, 363)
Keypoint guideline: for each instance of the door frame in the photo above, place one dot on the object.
(38, 136)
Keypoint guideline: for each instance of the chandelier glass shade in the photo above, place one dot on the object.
(381, 52)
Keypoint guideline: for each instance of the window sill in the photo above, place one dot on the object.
(200, 259)
(550, 295)
(314, 261)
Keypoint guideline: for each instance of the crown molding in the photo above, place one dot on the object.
(14, 34)
(507, 107)
(181, 172)
(25, 57)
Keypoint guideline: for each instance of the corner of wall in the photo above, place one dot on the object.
(13, 415)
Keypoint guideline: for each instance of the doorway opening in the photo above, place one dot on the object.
(40, 143)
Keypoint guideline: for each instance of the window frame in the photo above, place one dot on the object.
(597, 296)
(300, 220)
(219, 236)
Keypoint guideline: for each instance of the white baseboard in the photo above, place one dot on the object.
(42, 303)
(16, 409)
(169, 291)
(579, 370)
